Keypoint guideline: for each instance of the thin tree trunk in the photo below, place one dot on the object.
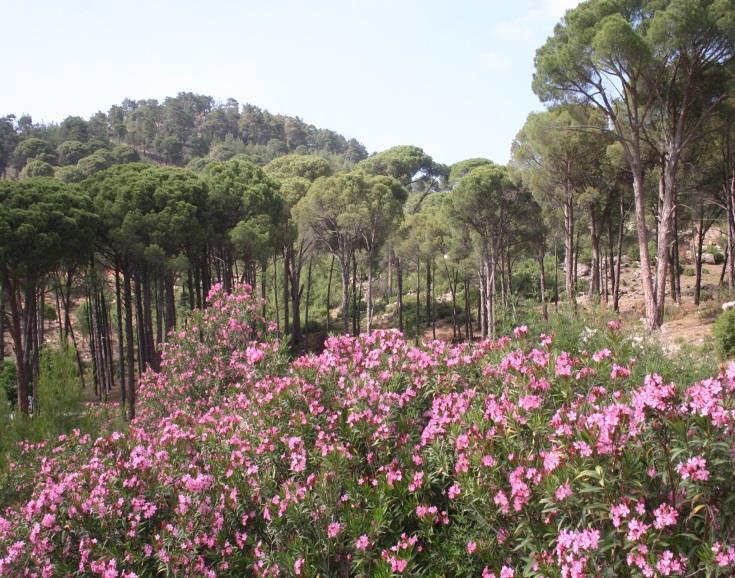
(724, 265)
(20, 343)
(418, 297)
(399, 279)
(467, 309)
(120, 344)
(107, 338)
(428, 291)
(556, 277)
(433, 302)
(129, 344)
(490, 288)
(730, 197)
(92, 341)
(170, 300)
(57, 289)
(151, 353)
(503, 296)
(649, 295)
(263, 288)
(286, 281)
(275, 293)
(370, 292)
(140, 326)
(569, 249)
(2, 326)
(698, 255)
(665, 238)
(509, 263)
(308, 295)
(594, 288)
(296, 291)
(482, 300)
(190, 289)
(675, 249)
(453, 289)
(359, 306)
(68, 327)
(345, 270)
(542, 279)
(159, 307)
(329, 292)
(389, 252)
(355, 305)
(618, 264)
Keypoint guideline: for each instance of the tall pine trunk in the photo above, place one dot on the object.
(308, 295)
(370, 291)
(542, 278)
(329, 292)
(129, 344)
(418, 297)
(345, 270)
(569, 248)
(399, 279)
(645, 262)
(665, 237)
(594, 288)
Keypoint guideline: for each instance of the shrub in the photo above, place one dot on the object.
(8, 381)
(724, 332)
(716, 253)
(376, 458)
(58, 409)
(37, 168)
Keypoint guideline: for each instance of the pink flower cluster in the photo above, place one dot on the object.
(376, 457)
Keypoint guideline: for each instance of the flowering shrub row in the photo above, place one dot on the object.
(497, 459)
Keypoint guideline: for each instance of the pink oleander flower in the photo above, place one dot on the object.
(563, 491)
(489, 461)
(552, 460)
(521, 331)
(48, 521)
(501, 500)
(724, 556)
(530, 402)
(454, 491)
(619, 371)
(463, 442)
(334, 529)
(507, 572)
(602, 355)
(563, 366)
(617, 513)
(665, 516)
(636, 529)
(297, 566)
(362, 542)
(471, 547)
(694, 468)
(669, 564)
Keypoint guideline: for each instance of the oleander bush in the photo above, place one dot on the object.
(724, 332)
(376, 458)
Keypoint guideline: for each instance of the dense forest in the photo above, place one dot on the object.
(116, 225)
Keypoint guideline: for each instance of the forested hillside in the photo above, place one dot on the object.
(177, 131)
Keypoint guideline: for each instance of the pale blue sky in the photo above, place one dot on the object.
(451, 77)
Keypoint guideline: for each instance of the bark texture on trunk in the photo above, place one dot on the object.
(645, 269)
